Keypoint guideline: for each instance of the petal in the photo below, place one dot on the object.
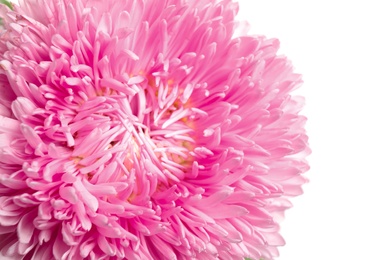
(105, 246)
(32, 137)
(8, 125)
(60, 249)
(86, 196)
(22, 107)
(69, 193)
(226, 211)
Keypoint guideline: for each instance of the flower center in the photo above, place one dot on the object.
(142, 137)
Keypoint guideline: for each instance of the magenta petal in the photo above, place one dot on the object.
(8, 125)
(31, 136)
(60, 249)
(69, 194)
(22, 107)
(227, 211)
(86, 196)
(82, 216)
(164, 247)
(25, 228)
(87, 247)
(105, 246)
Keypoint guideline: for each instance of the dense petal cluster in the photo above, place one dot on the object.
(143, 129)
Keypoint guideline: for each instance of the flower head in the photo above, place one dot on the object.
(142, 129)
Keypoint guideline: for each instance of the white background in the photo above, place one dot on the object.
(342, 48)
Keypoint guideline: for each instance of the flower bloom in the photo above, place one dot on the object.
(143, 129)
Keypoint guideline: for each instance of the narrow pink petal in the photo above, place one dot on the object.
(69, 194)
(226, 211)
(31, 136)
(60, 249)
(86, 196)
(22, 107)
(164, 247)
(105, 246)
(9, 125)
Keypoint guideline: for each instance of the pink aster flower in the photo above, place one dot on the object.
(142, 129)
